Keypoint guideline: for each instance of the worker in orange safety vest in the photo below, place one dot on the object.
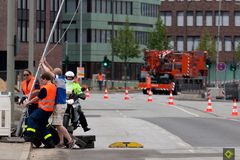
(148, 82)
(26, 86)
(39, 118)
(100, 79)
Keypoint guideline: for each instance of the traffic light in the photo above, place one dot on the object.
(233, 67)
(106, 62)
(208, 63)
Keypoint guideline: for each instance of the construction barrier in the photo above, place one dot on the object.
(5, 114)
(93, 83)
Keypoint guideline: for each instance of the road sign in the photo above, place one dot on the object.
(80, 72)
(221, 66)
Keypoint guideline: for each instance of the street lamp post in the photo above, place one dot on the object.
(218, 39)
(80, 35)
(112, 37)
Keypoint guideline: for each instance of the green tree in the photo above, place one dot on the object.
(207, 43)
(237, 51)
(158, 37)
(124, 46)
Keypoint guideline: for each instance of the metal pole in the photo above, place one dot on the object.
(48, 42)
(112, 67)
(80, 35)
(10, 52)
(31, 36)
(66, 56)
(218, 39)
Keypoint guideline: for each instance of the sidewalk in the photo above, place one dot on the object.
(15, 151)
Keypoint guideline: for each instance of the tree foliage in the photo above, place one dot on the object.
(207, 43)
(158, 37)
(124, 45)
(237, 51)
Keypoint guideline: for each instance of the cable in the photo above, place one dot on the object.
(65, 30)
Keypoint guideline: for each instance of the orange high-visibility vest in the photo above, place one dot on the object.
(100, 77)
(26, 88)
(148, 81)
(48, 102)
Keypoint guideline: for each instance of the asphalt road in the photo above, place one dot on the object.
(183, 131)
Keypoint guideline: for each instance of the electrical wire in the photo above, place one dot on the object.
(70, 23)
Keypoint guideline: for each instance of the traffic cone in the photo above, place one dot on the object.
(209, 107)
(170, 99)
(87, 93)
(126, 97)
(150, 96)
(105, 94)
(234, 110)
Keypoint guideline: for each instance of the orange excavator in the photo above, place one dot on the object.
(170, 70)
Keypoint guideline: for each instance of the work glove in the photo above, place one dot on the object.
(22, 100)
(82, 96)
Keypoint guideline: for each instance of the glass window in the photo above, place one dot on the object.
(225, 18)
(85, 6)
(109, 5)
(93, 35)
(219, 45)
(129, 8)
(166, 18)
(98, 6)
(237, 18)
(192, 43)
(103, 6)
(190, 18)
(124, 6)
(71, 35)
(84, 36)
(71, 5)
(168, 21)
(180, 18)
(228, 44)
(98, 36)
(236, 42)
(103, 36)
(209, 18)
(190, 46)
(199, 18)
(179, 43)
(171, 43)
(93, 6)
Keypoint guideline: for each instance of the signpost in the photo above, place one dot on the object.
(80, 72)
(221, 66)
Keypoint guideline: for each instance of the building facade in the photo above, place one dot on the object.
(44, 16)
(98, 23)
(186, 20)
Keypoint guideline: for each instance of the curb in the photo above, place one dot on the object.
(26, 151)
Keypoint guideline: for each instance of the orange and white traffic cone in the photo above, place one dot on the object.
(170, 99)
(150, 96)
(234, 110)
(126, 97)
(209, 107)
(87, 93)
(105, 94)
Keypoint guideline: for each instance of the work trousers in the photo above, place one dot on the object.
(100, 85)
(38, 120)
(31, 108)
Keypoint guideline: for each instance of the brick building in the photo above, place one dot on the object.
(43, 20)
(186, 20)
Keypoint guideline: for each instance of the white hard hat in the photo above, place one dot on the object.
(69, 76)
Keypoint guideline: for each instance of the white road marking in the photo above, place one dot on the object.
(196, 115)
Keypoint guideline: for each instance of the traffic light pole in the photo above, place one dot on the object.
(112, 64)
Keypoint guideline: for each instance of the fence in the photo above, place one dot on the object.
(108, 83)
(5, 114)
